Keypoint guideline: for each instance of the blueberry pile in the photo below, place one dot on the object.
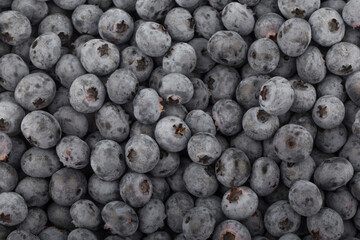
(179, 119)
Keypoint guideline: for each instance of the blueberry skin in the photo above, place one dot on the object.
(293, 143)
(61, 99)
(177, 205)
(233, 168)
(207, 21)
(298, 9)
(112, 122)
(332, 85)
(331, 140)
(203, 148)
(8, 177)
(328, 112)
(188, 4)
(140, 128)
(62, 189)
(11, 116)
(15, 27)
(161, 189)
(231, 229)
(200, 180)
(134, 59)
(280, 219)
(311, 66)
(263, 55)
(45, 51)
(181, 58)
(276, 96)
(167, 165)
(258, 124)
(213, 203)
(68, 68)
(265, 176)
(60, 216)
(71, 121)
(351, 85)
(199, 121)
(152, 216)
(227, 115)
(59, 24)
(99, 57)
(142, 153)
(176, 181)
(21, 234)
(85, 214)
(41, 129)
(135, 189)
(73, 152)
(326, 224)
(172, 134)
(253, 149)
(127, 5)
(340, 65)
(355, 186)
(180, 24)
(221, 82)
(12, 70)
(268, 25)
(176, 88)
(13, 208)
(68, 4)
(290, 236)
(327, 26)
(35, 191)
(177, 110)
(160, 40)
(239, 203)
(248, 90)
(337, 5)
(35, 91)
(103, 191)
(17, 147)
(343, 202)
(286, 67)
(35, 221)
(349, 13)
(198, 223)
(292, 172)
(350, 151)
(156, 75)
(147, 106)
(85, 19)
(153, 10)
(35, 11)
(243, 25)
(295, 40)
(333, 173)
(204, 63)
(264, 7)
(304, 96)
(81, 234)
(255, 223)
(228, 48)
(107, 160)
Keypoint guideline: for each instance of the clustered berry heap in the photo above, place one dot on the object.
(179, 119)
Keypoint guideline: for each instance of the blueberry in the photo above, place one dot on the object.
(15, 27)
(159, 42)
(267, 26)
(35, 91)
(54, 233)
(140, 128)
(228, 48)
(328, 112)
(293, 143)
(176, 88)
(103, 4)
(181, 58)
(13, 208)
(212, 203)
(350, 151)
(207, 21)
(331, 140)
(142, 153)
(153, 10)
(349, 14)
(156, 76)
(107, 160)
(160, 235)
(263, 55)
(135, 189)
(85, 214)
(103, 191)
(112, 122)
(247, 92)
(351, 86)
(12, 70)
(219, 4)
(227, 115)
(161, 189)
(135, 60)
(252, 148)
(115, 215)
(276, 96)
(239, 203)
(172, 134)
(286, 66)
(343, 202)
(73, 152)
(292, 172)
(200, 180)
(231, 229)
(21, 234)
(167, 165)
(40, 163)
(59, 24)
(203, 148)
(298, 9)
(198, 223)
(61, 99)
(60, 216)
(352, 35)
(45, 50)
(332, 85)
(265, 176)
(41, 129)
(199, 121)
(221, 82)
(85, 19)
(147, 106)
(355, 185)
(333, 173)
(35, 191)
(68, 68)
(17, 149)
(180, 24)
(81, 234)
(35, 221)
(177, 205)
(177, 110)
(152, 216)
(79, 43)
(204, 63)
(304, 96)
(238, 17)
(337, 5)
(68, 4)
(336, 61)
(8, 177)
(290, 236)
(127, 5)
(71, 121)
(326, 224)
(327, 26)
(67, 186)
(255, 223)
(11, 116)
(311, 65)
(295, 40)
(176, 181)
